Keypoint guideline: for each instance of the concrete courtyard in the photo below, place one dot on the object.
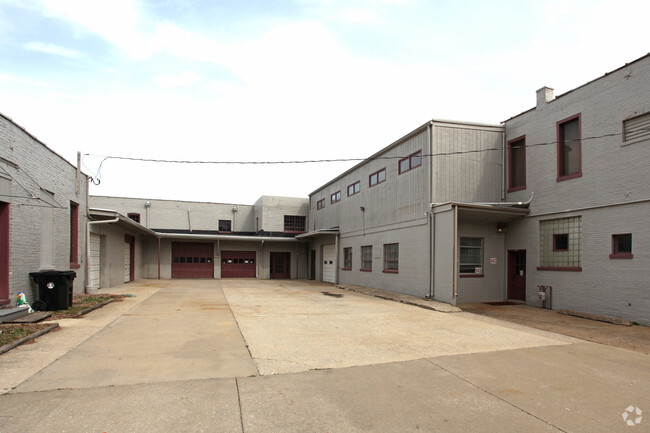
(296, 356)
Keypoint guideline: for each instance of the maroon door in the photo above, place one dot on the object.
(517, 274)
(280, 265)
(238, 264)
(192, 260)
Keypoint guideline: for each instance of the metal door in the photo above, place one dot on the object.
(517, 275)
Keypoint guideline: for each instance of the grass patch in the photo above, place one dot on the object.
(80, 303)
(12, 332)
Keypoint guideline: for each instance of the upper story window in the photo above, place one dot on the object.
(636, 129)
(621, 246)
(377, 177)
(134, 216)
(517, 164)
(225, 226)
(410, 162)
(320, 204)
(354, 188)
(294, 223)
(336, 197)
(569, 158)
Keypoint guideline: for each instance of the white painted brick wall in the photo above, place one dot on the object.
(39, 167)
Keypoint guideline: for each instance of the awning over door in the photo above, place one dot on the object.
(192, 260)
(238, 264)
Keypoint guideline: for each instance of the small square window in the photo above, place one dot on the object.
(621, 246)
(320, 204)
(561, 242)
(354, 188)
(377, 177)
(134, 216)
(224, 225)
(336, 197)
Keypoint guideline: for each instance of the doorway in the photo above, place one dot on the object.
(517, 274)
(280, 265)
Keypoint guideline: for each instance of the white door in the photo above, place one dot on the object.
(95, 264)
(127, 262)
(329, 263)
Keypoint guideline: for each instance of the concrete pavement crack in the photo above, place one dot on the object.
(496, 396)
(241, 413)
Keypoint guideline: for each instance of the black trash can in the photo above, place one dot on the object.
(54, 289)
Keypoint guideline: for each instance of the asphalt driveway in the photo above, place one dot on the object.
(295, 356)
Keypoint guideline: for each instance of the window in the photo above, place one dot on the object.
(224, 226)
(569, 157)
(391, 258)
(636, 129)
(470, 257)
(517, 164)
(347, 259)
(74, 235)
(294, 223)
(134, 216)
(621, 246)
(354, 188)
(377, 177)
(320, 204)
(560, 244)
(336, 197)
(410, 162)
(4, 252)
(366, 258)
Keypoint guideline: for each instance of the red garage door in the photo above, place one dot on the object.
(192, 260)
(238, 264)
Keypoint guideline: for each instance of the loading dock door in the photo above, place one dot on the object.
(95, 265)
(329, 263)
(192, 260)
(238, 264)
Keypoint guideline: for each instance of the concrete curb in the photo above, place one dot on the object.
(14, 344)
(438, 306)
(94, 307)
(598, 317)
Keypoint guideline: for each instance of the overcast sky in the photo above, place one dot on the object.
(271, 80)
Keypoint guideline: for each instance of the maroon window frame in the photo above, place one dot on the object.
(336, 197)
(621, 246)
(562, 163)
(517, 164)
(354, 188)
(366, 258)
(377, 177)
(563, 240)
(74, 235)
(134, 216)
(5, 225)
(347, 259)
(320, 204)
(391, 258)
(410, 162)
(294, 223)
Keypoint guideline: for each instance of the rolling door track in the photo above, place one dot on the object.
(192, 260)
(238, 264)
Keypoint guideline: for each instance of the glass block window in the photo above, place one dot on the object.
(391, 257)
(470, 256)
(347, 258)
(366, 258)
(294, 223)
(560, 243)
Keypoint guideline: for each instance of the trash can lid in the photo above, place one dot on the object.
(53, 273)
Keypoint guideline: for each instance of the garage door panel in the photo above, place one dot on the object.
(329, 263)
(192, 260)
(238, 264)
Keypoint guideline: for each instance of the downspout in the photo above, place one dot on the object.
(189, 219)
(429, 214)
(503, 166)
(455, 210)
(158, 258)
(116, 219)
